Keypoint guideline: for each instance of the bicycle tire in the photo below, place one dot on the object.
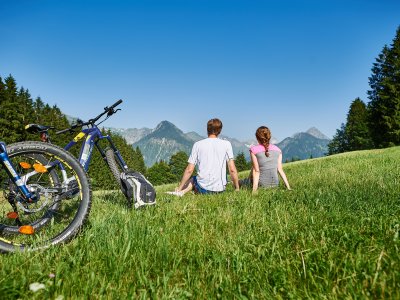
(61, 210)
(115, 168)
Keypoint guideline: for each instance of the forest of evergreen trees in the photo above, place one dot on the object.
(376, 124)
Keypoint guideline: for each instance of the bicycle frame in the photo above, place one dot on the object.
(14, 176)
(93, 137)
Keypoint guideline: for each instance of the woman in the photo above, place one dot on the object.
(266, 162)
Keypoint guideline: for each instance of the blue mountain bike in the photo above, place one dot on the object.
(92, 134)
(45, 196)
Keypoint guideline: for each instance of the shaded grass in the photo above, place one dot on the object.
(336, 235)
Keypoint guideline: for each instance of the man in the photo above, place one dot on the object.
(210, 155)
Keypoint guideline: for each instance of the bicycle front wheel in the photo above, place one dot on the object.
(63, 197)
(115, 168)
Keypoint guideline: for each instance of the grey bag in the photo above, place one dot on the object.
(137, 189)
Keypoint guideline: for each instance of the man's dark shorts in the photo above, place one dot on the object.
(199, 190)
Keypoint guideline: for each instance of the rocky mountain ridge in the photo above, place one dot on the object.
(166, 139)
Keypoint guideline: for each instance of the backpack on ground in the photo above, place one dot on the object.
(137, 189)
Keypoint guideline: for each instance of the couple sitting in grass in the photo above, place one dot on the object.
(211, 156)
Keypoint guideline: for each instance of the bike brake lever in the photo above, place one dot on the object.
(112, 111)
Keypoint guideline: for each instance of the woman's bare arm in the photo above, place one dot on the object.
(282, 173)
(255, 171)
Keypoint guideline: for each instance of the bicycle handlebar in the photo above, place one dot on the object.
(107, 110)
(116, 103)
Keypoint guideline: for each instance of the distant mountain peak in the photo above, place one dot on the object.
(304, 145)
(165, 125)
(316, 133)
(313, 131)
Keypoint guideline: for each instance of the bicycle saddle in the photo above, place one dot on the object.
(37, 128)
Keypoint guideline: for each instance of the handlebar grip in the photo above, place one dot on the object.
(116, 103)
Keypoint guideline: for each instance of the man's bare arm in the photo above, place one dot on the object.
(186, 176)
(233, 173)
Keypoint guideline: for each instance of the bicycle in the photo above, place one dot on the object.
(45, 199)
(110, 155)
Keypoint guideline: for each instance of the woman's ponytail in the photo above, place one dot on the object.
(263, 135)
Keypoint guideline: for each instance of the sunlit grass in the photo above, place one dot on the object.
(336, 235)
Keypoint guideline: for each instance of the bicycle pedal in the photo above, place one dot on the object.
(72, 190)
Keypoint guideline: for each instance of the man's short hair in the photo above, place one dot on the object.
(214, 126)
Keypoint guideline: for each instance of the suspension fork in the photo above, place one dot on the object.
(120, 160)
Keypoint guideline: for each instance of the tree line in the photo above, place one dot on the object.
(377, 123)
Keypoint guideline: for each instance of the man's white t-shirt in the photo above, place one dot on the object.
(210, 156)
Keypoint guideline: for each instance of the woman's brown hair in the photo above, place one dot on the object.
(263, 135)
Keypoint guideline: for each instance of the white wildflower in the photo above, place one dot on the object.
(34, 287)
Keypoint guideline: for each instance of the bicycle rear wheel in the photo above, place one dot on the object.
(63, 198)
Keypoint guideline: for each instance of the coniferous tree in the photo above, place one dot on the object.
(357, 133)
(339, 143)
(2, 91)
(139, 165)
(241, 162)
(44, 114)
(384, 107)
(3, 120)
(38, 107)
(13, 112)
(25, 99)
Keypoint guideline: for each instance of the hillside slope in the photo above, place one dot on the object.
(335, 236)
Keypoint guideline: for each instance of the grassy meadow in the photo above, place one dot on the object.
(335, 236)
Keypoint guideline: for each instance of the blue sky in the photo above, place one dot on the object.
(289, 65)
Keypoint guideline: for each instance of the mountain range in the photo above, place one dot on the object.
(166, 139)
(303, 145)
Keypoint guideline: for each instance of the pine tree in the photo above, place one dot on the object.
(14, 111)
(357, 133)
(139, 165)
(384, 107)
(339, 143)
(241, 162)
(2, 91)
